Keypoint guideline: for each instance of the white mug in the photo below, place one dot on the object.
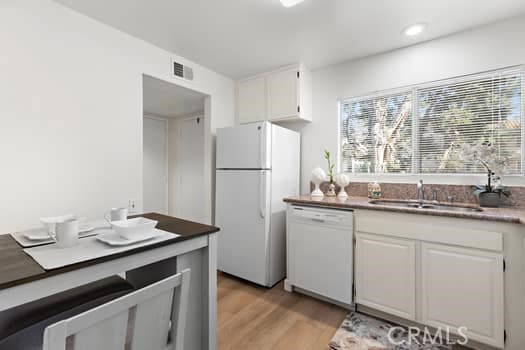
(66, 233)
(116, 214)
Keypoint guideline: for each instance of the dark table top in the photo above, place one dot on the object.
(16, 267)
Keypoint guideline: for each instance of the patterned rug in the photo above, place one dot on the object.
(361, 332)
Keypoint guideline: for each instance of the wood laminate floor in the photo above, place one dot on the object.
(257, 318)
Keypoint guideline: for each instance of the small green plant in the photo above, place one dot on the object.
(330, 166)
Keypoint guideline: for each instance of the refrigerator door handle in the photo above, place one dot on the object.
(262, 195)
(262, 145)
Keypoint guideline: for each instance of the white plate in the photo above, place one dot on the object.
(112, 238)
(42, 235)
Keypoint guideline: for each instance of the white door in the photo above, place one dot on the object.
(242, 214)
(283, 94)
(385, 274)
(463, 288)
(244, 147)
(155, 166)
(251, 100)
(188, 168)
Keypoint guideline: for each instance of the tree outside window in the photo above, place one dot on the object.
(423, 129)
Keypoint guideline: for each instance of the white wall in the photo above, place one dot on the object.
(491, 47)
(155, 165)
(71, 112)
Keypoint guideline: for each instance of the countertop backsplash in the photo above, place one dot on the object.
(461, 193)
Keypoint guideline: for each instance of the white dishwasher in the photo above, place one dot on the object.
(319, 244)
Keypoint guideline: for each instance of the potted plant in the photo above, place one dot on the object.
(488, 195)
(331, 188)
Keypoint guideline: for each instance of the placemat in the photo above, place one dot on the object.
(26, 243)
(53, 257)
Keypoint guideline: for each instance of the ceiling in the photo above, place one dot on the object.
(242, 37)
(164, 99)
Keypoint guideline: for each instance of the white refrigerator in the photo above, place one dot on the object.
(257, 165)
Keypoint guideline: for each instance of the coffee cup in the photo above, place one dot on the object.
(116, 214)
(66, 233)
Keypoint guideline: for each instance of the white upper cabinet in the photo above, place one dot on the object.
(281, 95)
(251, 100)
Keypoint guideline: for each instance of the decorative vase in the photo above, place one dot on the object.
(331, 190)
(318, 176)
(489, 199)
(342, 180)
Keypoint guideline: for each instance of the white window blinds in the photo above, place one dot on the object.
(422, 129)
(469, 112)
(376, 134)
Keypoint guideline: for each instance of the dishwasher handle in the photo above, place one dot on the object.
(320, 216)
(317, 220)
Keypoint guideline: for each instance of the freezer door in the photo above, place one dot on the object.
(244, 147)
(241, 212)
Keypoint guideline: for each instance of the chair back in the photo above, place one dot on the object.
(152, 318)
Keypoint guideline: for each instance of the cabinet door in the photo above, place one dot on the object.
(385, 274)
(251, 100)
(463, 288)
(283, 94)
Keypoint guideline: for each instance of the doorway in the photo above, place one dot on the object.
(174, 145)
(187, 135)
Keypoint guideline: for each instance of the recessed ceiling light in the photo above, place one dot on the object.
(290, 3)
(414, 29)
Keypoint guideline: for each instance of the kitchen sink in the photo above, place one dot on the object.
(425, 205)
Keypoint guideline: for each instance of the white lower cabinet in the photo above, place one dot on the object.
(463, 287)
(435, 284)
(385, 274)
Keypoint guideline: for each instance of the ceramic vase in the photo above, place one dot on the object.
(342, 180)
(489, 199)
(331, 190)
(318, 176)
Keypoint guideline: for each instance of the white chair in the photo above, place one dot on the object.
(152, 318)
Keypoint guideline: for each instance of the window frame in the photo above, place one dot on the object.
(437, 178)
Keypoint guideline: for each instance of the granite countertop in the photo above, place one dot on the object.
(16, 267)
(509, 215)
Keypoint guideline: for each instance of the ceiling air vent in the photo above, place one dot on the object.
(182, 71)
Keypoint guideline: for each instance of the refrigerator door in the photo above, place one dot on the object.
(244, 147)
(242, 214)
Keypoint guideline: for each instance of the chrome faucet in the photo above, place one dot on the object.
(420, 191)
(435, 196)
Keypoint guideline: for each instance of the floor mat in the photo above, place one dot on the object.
(362, 332)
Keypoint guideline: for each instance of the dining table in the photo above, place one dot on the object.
(193, 246)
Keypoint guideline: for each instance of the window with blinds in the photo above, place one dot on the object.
(423, 129)
(376, 134)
